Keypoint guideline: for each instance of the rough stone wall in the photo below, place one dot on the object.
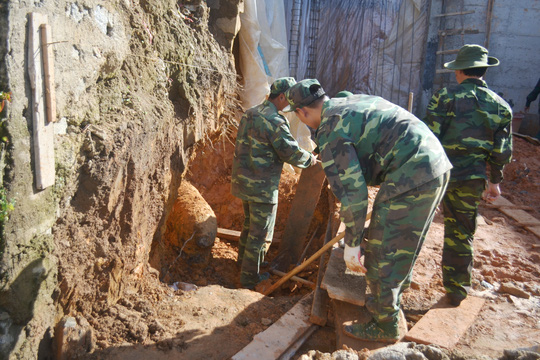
(137, 84)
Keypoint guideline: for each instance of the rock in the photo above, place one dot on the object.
(138, 330)
(316, 355)
(344, 355)
(520, 355)
(512, 289)
(155, 326)
(73, 339)
(432, 352)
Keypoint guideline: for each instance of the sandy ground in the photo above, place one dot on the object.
(214, 320)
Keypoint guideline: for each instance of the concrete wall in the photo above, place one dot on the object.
(514, 39)
(28, 268)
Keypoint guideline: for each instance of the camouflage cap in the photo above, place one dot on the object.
(303, 93)
(343, 94)
(281, 85)
(472, 56)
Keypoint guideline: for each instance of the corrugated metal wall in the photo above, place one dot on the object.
(364, 46)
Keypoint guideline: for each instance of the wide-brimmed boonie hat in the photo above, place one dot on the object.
(303, 93)
(472, 56)
(281, 85)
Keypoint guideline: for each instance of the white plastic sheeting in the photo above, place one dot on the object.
(263, 48)
(364, 46)
(264, 56)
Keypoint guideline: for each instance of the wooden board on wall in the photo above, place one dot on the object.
(43, 130)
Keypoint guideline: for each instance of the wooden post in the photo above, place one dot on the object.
(489, 15)
(410, 104)
(303, 206)
(319, 313)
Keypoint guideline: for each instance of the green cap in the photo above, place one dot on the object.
(472, 56)
(281, 85)
(343, 93)
(303, 93)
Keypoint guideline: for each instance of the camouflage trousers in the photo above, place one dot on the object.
(460, 205)
(255, 239)
(394, 239)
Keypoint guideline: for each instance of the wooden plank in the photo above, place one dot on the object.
(319, 308)
(489, 16)
(443, 71)
(303, 206)
(509, 207)
(526, 220)
(228, 234)
(534, 229)
(455, 13)
(452, 32)
(446, 52)
(344, 311)
(43, 131)
(284, 333)
(443, 324)
(234, 235)
(291, 351)
(48, 72)
(527, 137)
(341, 284)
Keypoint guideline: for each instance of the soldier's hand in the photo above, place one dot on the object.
(314, 160)
(492, 192)
(351, 255)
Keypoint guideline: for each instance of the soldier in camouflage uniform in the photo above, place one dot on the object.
(367, 141)
(474, 126)
(263, 143)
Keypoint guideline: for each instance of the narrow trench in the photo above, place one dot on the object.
(189, 251)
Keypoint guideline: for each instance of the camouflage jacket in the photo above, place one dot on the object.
(366, 140)
(474, 127)
(263, 143)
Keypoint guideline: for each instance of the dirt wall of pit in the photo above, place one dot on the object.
(137, 84)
